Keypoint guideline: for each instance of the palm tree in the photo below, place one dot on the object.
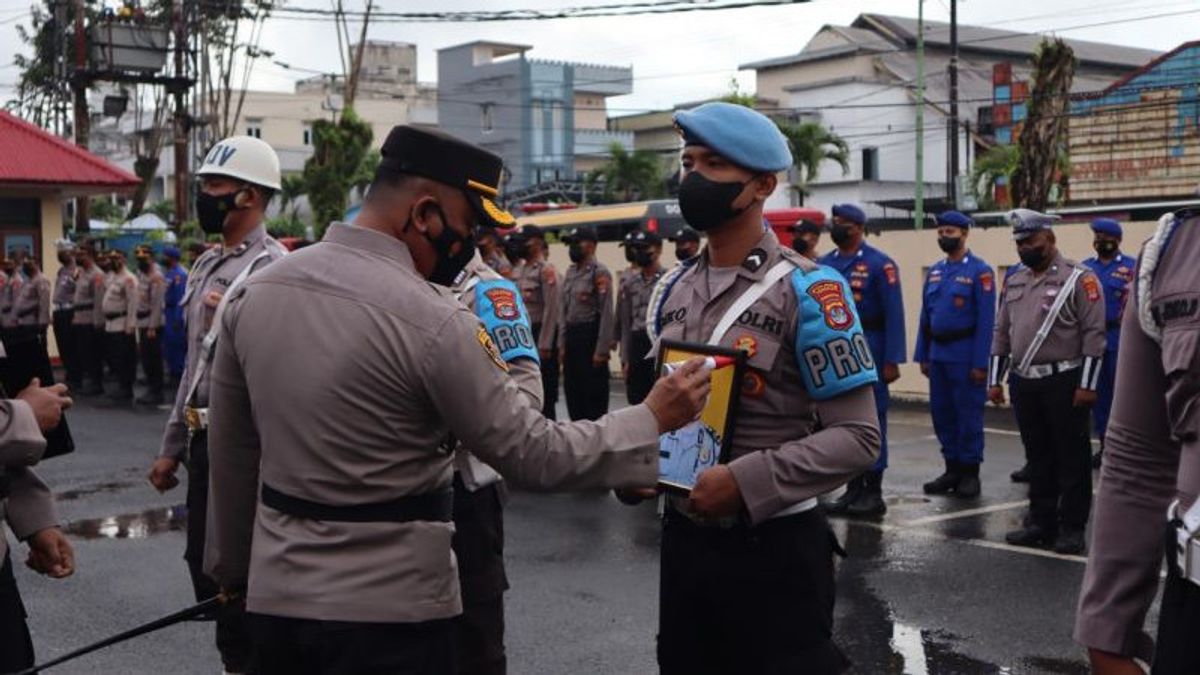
(1000, 161)
(1039, 177)
(291, 189)
(812, 144)
(632, 175)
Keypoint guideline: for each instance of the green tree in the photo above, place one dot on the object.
(738, 97)
(338, 152)
(812, 144)
(164, 209)
(999, 162)
(1041, 177)
(102, 208)
(291, 190)
(629, 176)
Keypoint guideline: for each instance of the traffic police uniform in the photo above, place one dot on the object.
(1046, 376)
(621, 315)
(89, 294)
(585, 333)
(955, 337)
(875, 281)
(174, 337)
(1152, 466)
(64, 313)
(339, 474)
(152, 288)
(755, 594)
(1115, 277)
(478, 541)
(634, 339)
(120, 327)
(539, 283)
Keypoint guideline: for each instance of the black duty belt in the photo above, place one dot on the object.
(85, 306)
(432, 506)
(875, 323)
(953, 335)
(113, 315)
(1113, 325)
(143, 315)
(27, 312)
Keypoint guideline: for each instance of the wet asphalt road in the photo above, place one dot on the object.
(930, 589)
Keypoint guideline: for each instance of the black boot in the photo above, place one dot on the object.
(853, 488)
(945, 482)
(1032, 536)
(1070, 541)
(968, 485)
(1021, 475)
(870, 501)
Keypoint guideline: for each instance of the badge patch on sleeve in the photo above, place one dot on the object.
(748, 344)
(504, 303)
(831, 351)
(502, 311)
(889, 270)
(489, 348)
(986, 281)
(832, 301)
(1091, 287)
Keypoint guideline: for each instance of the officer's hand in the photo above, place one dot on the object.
(1084, 398)
(891, 373)
(162, 473)
(1104, 663)
(978, 375)
(996, 395)
(47, 402)
(634, 496)
(679, 397)
(51, 554)
(715, 494)
(599, 361)
(925, 369)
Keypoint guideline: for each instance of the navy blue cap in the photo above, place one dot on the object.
(644, 238)
(806, 225)
(628, 239)
(533, 232)
(955, 219)
(171, 252)
(1027, 222)
(1107, 226)
(686, 233)
(851, 212)
(743, 136)
(581, 233)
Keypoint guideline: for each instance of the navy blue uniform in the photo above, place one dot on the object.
(958, 312)
(174, 331)
(875, 282)
(1115, 278)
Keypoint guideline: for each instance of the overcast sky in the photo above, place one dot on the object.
(680, 57)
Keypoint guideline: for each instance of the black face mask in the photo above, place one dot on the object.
(211, 210)
(514, 252)
(950, 244)
(800, 245)
(575, 251)
(840, 234)
(449, 264)
(143, 265)
(29, 270)
(1106, 248)
(706, 204)
(630, 256)
(682, 254)
(643, 258)
(1032, 257)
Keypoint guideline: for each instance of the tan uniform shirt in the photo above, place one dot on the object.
(89, 291)
(31, 307)
(8, 298)
(524, 371)
(359, 371)
(500, 264)
(1151, 454)
(211, 274)
(64, 286)
(1079, 330)
(30, 505)
(638, 289)
(120, 303)
(587, 298)
(621, 313)
(152, 292)
(106, 279)
(778, 459)
(539, 284)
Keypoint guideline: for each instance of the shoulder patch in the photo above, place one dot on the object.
(1091, 287)
(892, 274)
(832, 301)
(549, 276)
(832, 353)
(489, 348)
(499, 306)
(987, 282)
(756, 259)
(603, 282)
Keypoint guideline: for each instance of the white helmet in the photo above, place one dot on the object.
(245, 158)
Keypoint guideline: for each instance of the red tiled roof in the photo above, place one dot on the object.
(30, 155)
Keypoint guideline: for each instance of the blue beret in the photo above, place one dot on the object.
(851, 212)
(1107, 226)
(743, 136)
(1026, 222)
(955, 219)
(171, 252)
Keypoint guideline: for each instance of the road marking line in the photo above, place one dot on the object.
(908, 441)
(967, 513)
(1001, 432)
(988, 430)
(981, 543)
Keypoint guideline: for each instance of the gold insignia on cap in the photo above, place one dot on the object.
(496, 213)
(485, 189)
(490, 348)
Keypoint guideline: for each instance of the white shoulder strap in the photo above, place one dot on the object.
(1055, 309)
(210, 339)
(467, 287)
(749, 297)
(1145, 279)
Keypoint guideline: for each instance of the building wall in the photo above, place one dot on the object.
(590, 112)
(773, 82)
(485, 103)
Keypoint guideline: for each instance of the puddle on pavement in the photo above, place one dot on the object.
(113, 486)
(130, 525)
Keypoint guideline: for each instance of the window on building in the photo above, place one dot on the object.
(870, 163)
(485, 121)
(308, 139)
(254, 127)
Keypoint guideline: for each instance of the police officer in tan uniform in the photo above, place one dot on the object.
(12, 282)
(1151, 469)
(621, 312)
(89, 292)
(747, 556)
(540, 284)
(64, 311)
(152, 290)
(120, 326)
(1050, 331)
(585, 328)
(237, 179)
(331, 492)
(493, 255)
(31, 306)
(27, 505)
(634, 340)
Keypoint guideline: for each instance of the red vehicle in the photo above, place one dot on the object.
(782, 220)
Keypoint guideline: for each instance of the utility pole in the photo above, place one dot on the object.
(79, 82)
(952, 147)
(919, 196)
(180, 124)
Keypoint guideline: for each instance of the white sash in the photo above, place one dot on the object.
(1067, 291)
(748, 298)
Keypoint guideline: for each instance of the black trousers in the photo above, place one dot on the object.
(585, 384)
(64, 337)
(641, 370)
(309, 647)
(1177, 652)
(121, 351)
(233, 630)
(88, 352)
(748, 599)
(1058, 446)
(150, 350)
(478, 545)
(549, 377)
(16, 647)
